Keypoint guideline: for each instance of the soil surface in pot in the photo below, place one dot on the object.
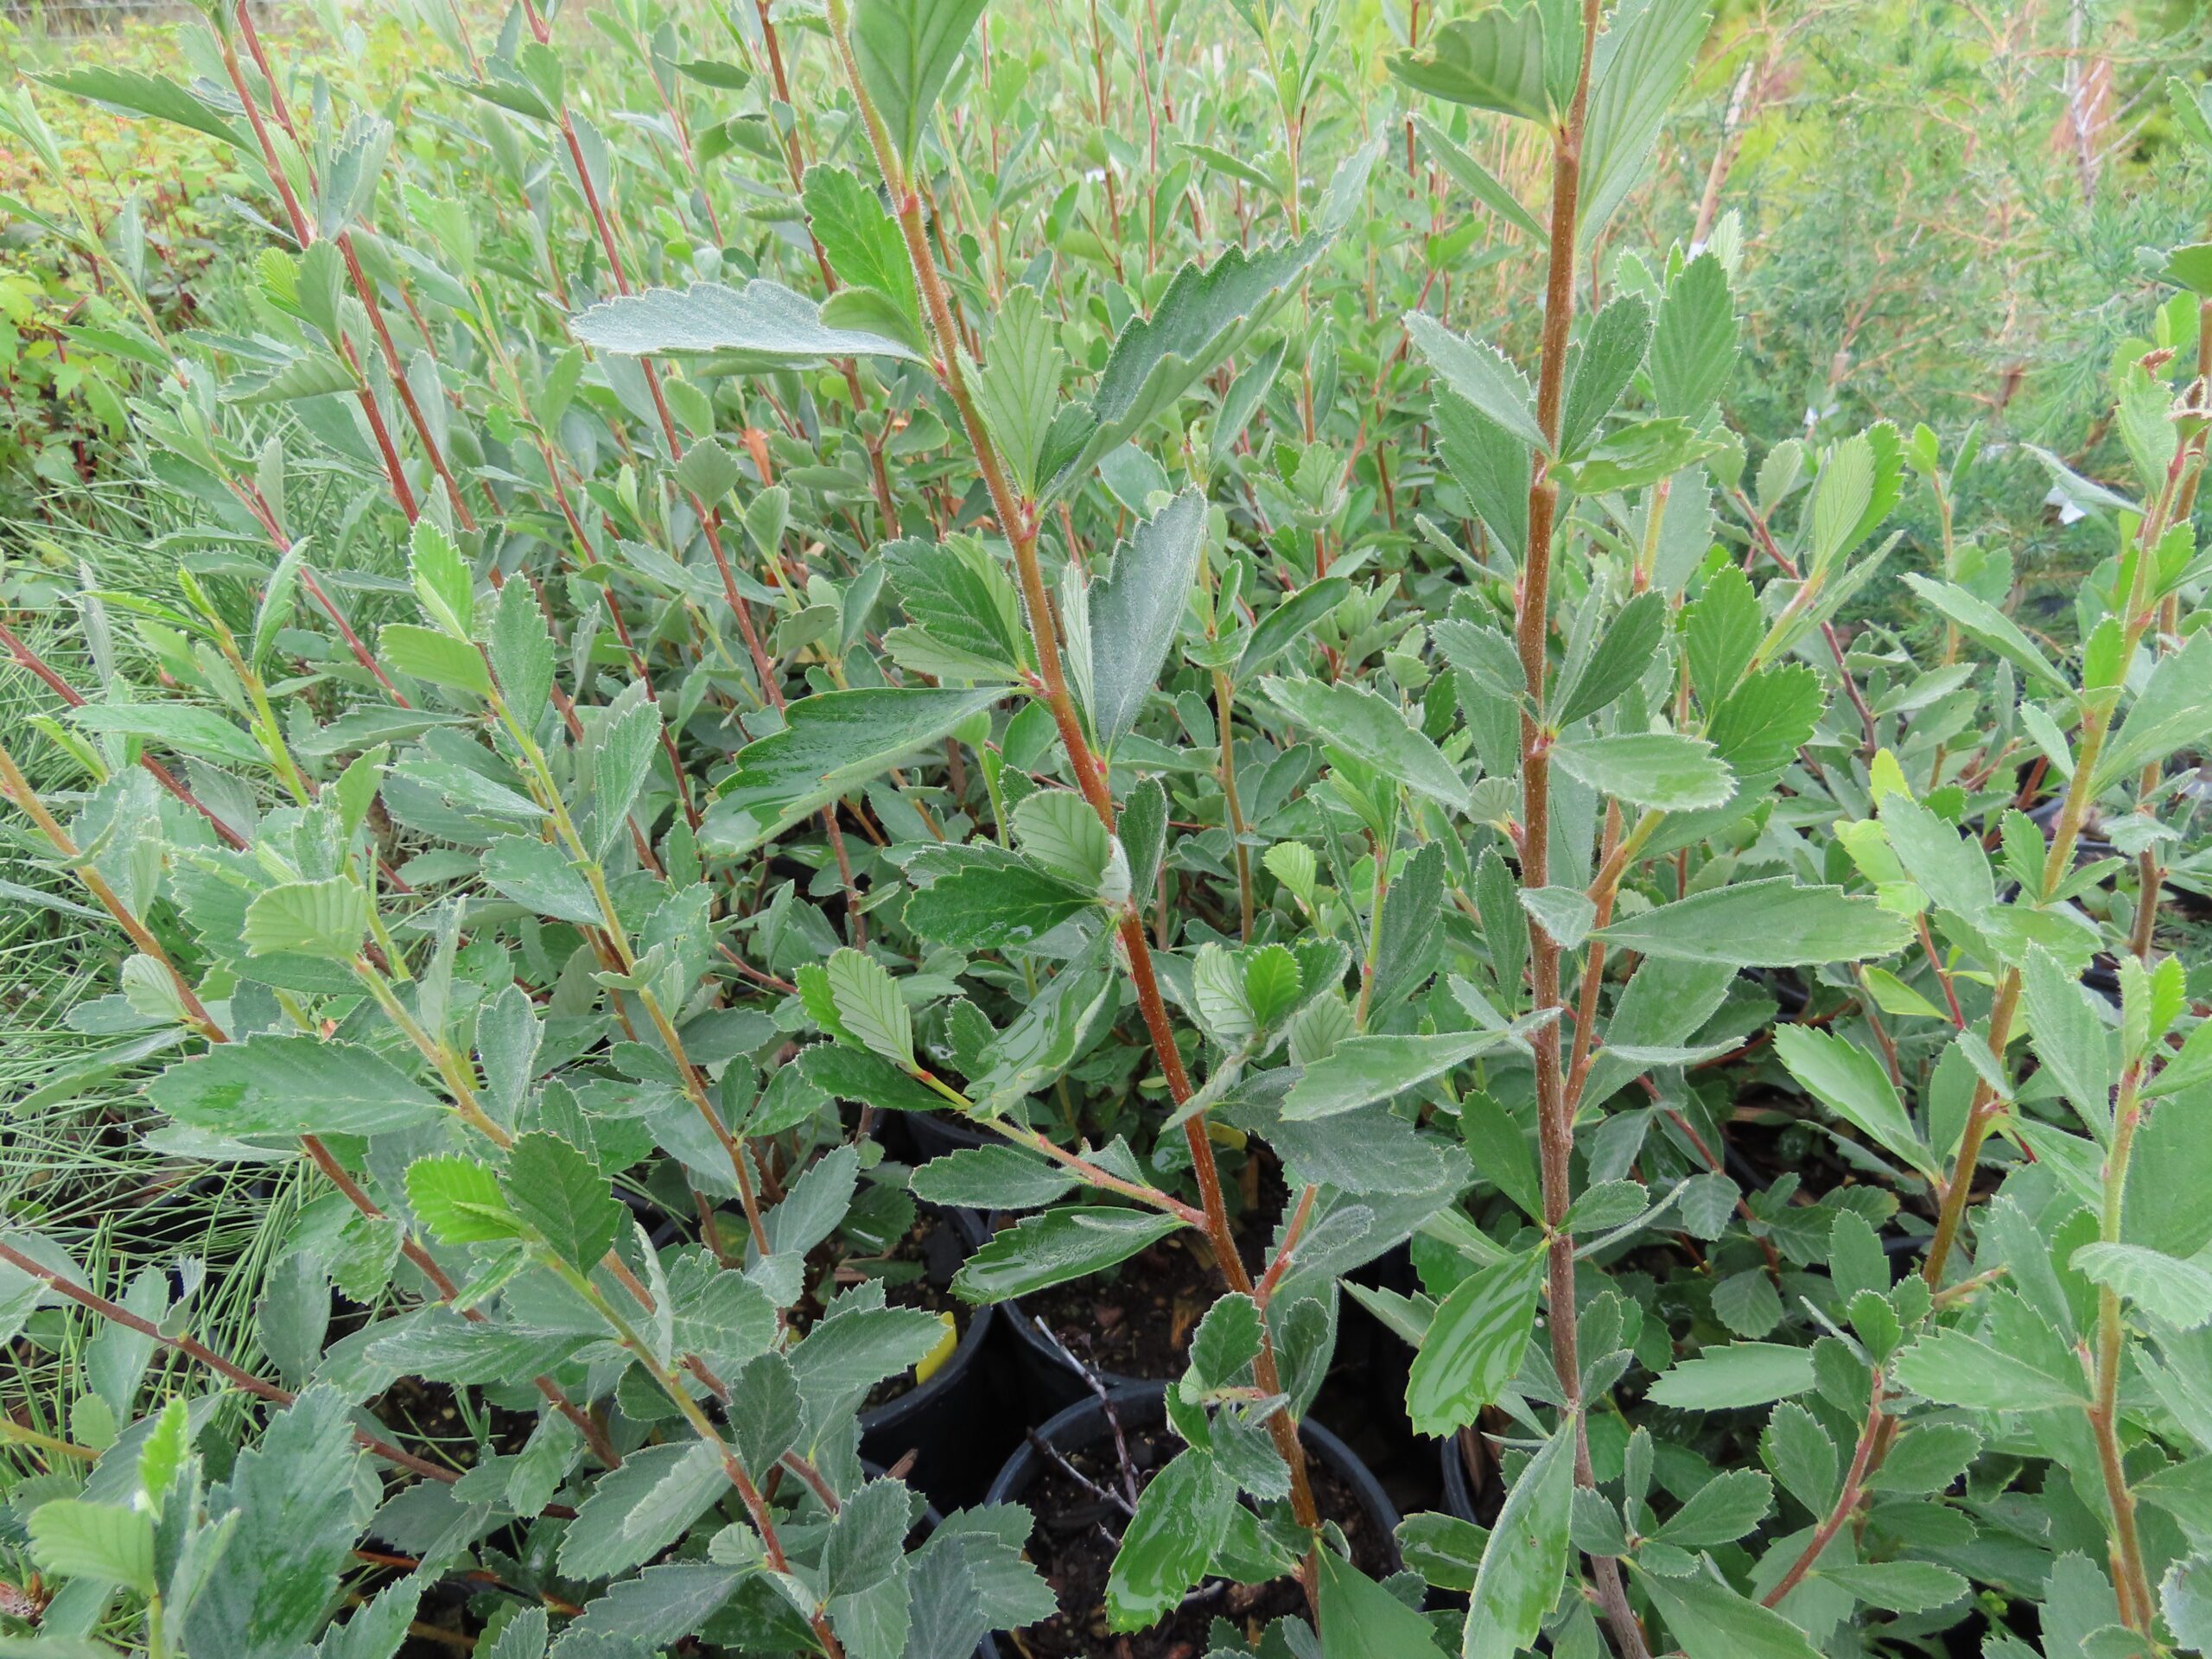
(1077, 1535)
(1139, 1322)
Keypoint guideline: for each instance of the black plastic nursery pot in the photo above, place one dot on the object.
(950, 1423)
(1348, 1491)
(932, 1134)
(1459, 1491)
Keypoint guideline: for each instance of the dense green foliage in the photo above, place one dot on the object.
(1274, 649)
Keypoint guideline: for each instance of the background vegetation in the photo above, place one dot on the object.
(1938, 212)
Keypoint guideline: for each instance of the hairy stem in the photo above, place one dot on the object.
(1555, 1127)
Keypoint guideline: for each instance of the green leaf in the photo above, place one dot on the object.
(1018, 388)
(539, 877)
(1721, 631)
(1949, 868)
(1477, 372)
(906, 50)
(1180, 1517)
(1477, 179)
(1443, 1548)
(2177, 1292)
(137, 94)
(817, 1201)
(2169, 1175)
(1693, 346)
(460, 1201)
(311, 918)
(709, 471)
(1899, 1586)
(1927, 1459)
(1361, 1071)
(1226, 1341)
(1606, 358)
(870, 1007)
(1136, 607)
(1564, 913)
(848, 1354)
(1989, 628)
(1044, 1039)
(640, 1509)
(1273, 983)
(962, 598)
(871, 311)
(103, 1542)
(1721, 1511)
(993, 907)
(1474, 1344)
(1728, 1379)
(1664, 771)
(317, 374)
(2071, 1040)
(1360, 1619)
(653, 1611)
(559, 1194)
(1501, 1150)
(521, 653)
(1768, 923)
(1954, 1369)
(1525, 1562)
(174, 725)
(754, 328)
(167, 1448)
(1629, 642)
(292, 1085)
(1800, 1454)
(439, 658)
(831, 744)
(1747, 1302)
(990, 1177)
(1709, 1620)
(852, 1074)
(1206, 315)
(2191, 266)
(296, 1508)
(2173, 710)
(1638, 454)
(1639, 65)
(443, 582)
(1851, 1084)
(1368, 727)
(1761, 725)
(1490, 463)
(864, 1544)
(1492, 61)
(626, 739)
(1055, 1247)
(860, 239)
(1367, 1151)
(2185, 1592)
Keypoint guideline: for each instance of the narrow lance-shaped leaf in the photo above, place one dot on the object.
(1135, 608)
(1365, 725)
(1206, 313)
(1525, 1561)
(1768, 923)
(758, 326)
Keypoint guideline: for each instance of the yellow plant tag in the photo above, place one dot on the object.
(938, 1354)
